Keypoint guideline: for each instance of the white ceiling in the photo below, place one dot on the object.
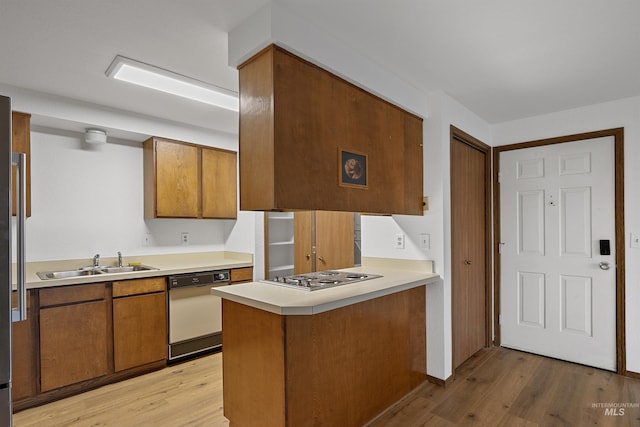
(502, 59)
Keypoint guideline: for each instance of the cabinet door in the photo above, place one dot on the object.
(21, 143)
(176, 176)
(334, 240)
(73, 343)
(139, 330)
(303, 242)
(24, 374)
(218, 184)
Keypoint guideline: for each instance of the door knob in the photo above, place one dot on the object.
(467, 262)
(604, 265)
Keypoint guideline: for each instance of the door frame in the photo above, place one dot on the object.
(618, 135)
(458, 135)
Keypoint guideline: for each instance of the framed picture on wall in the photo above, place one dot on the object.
(352, 169)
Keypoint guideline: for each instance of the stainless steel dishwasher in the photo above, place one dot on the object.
(195, 316)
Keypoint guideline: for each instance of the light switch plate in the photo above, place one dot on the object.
(399, 241)
(635, 240)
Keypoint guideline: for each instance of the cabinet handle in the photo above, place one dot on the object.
(467, 262)
(321, 259)
(308, 256)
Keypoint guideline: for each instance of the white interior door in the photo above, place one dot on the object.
(557, 297)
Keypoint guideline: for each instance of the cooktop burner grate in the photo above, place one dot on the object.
(320, 280)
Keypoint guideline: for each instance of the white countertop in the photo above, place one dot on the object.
(166, 264)
(289, 301)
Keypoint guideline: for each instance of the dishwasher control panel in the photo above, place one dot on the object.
(198, 279)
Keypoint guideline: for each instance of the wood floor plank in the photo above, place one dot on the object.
(497, 387)
(509, 388)
(187, 394)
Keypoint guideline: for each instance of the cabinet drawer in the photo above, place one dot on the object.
(139, 286)
(71, 294)
(242, 274)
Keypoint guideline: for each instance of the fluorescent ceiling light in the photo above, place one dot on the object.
(156, 78)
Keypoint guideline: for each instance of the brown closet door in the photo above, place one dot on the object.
(468, 268)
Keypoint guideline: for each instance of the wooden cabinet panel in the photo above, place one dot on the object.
(219, 179)
(183, 180)
(21, 143)
(139, 286)
(334, 240)
(332, 236)
(71, 294)
(139, 330)
(303, 256)
(73, 343)
(274, 366)
(177, 177)
(23, 351)
(241, 274)
(296, 118)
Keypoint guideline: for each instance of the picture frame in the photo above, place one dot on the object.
(353, 169)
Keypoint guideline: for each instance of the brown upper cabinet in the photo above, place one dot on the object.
(183, 180)
(323, 241)
(21, 143)
(310, 140)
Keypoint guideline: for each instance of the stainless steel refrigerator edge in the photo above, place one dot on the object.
(5, 257)
(7, 314)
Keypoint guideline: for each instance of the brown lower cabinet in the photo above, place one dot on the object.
(79, 337)
(139, 322)
(74, 335)
(23, 352)
(241, 275)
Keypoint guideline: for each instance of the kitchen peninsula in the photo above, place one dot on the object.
(337, 356)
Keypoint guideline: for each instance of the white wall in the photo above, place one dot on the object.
(89, 199)
(623, 113)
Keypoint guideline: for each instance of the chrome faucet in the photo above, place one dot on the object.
(96, 260)
(119, 259)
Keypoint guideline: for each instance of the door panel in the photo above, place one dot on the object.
(575, 304)
(302, 242)
(334, 240)
(468, 219)
(557, 201)
(531, 299)
(575, 221)
(531, 222)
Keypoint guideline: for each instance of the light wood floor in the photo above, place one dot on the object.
(497, 387)
(187, 394)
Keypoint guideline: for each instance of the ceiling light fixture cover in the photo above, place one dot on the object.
(95, 136)
(152, 77)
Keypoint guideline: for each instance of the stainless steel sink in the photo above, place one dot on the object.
(90, 271)
(126, 269)
(47, 275)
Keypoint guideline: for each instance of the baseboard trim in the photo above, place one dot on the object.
(440, 382)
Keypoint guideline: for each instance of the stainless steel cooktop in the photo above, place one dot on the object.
(320, 280)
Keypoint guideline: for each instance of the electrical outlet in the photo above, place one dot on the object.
(425, 241)
(146, 239)
(399, 241)
(635, 240)
(184, 238)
